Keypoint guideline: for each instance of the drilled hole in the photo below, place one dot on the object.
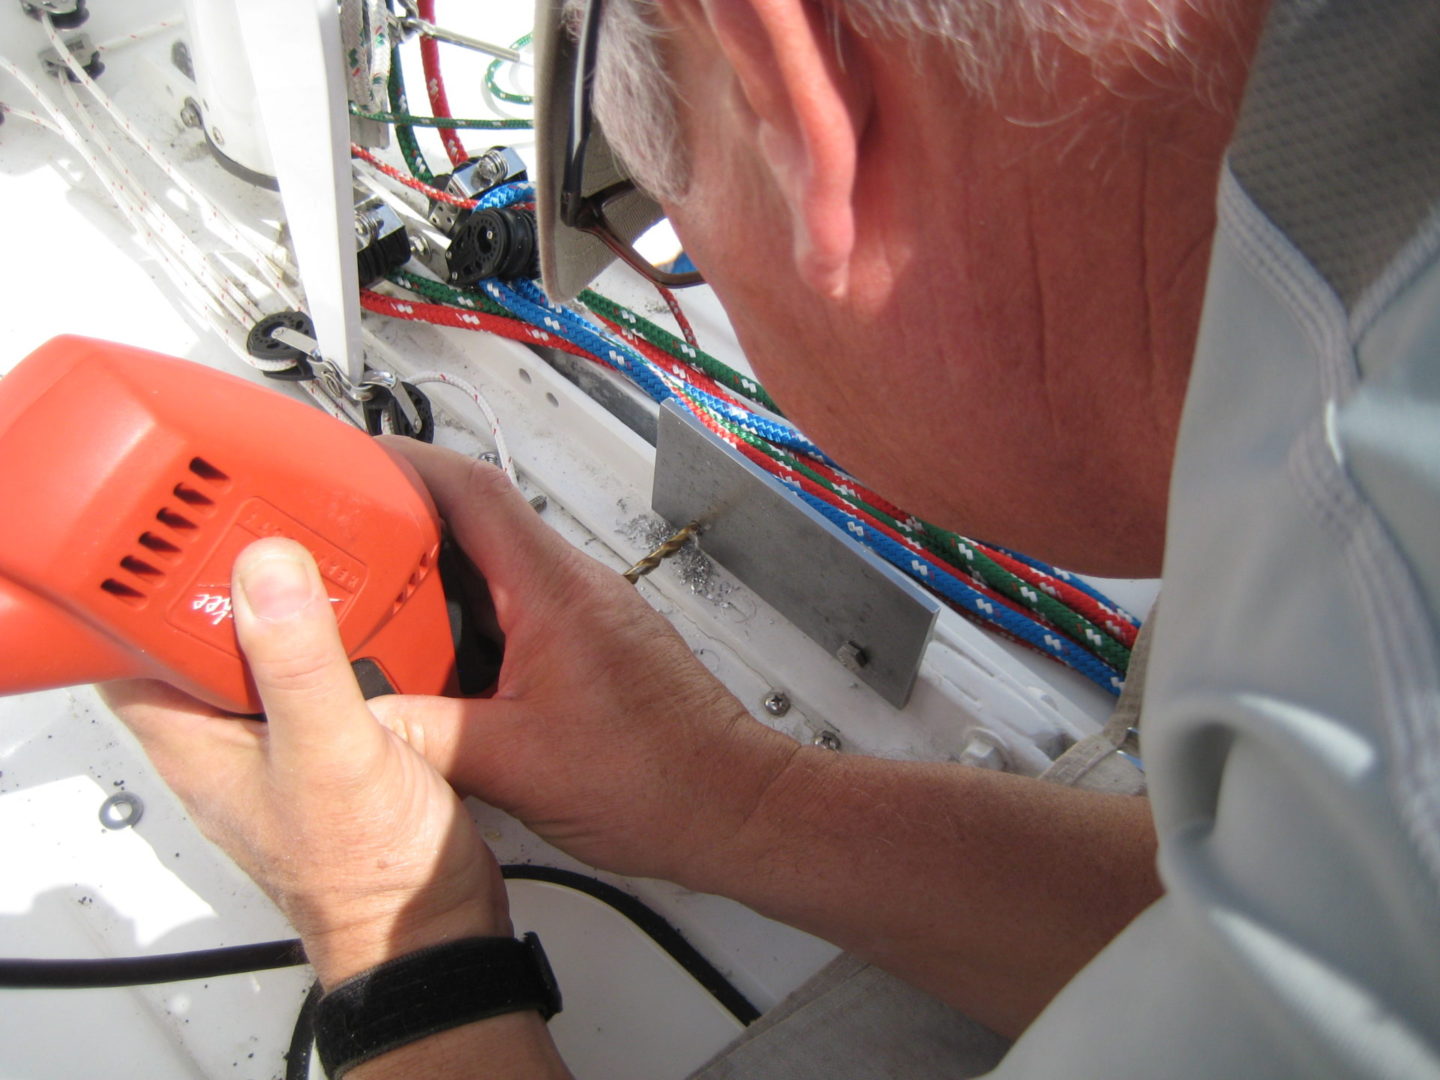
(132, 596)
(140, 568)
(524, 375)
(203, 469)
(553, 400)
(158, 544)
(192, 497)
(174, 520)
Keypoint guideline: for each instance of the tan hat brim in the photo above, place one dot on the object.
(570, 259)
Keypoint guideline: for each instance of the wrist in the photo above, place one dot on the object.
(341, 952)
(749, 788)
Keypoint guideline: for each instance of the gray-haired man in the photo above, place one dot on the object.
(1006, 212)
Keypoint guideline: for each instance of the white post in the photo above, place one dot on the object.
(295, 54)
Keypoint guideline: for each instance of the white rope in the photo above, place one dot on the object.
(30, 117)
(272, 273)
(502, 449)
(119, 42)
(139, 212)
(158, 225)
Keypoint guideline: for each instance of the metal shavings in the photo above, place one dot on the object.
(691, 565)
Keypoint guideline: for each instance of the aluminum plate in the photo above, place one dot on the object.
(853, 604)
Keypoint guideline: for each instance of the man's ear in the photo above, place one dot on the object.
(810, 103)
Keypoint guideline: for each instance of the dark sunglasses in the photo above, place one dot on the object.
(603, 214)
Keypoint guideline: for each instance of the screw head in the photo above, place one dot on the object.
(827, 740)
(851, 656)
(776, 703)
(190, 114)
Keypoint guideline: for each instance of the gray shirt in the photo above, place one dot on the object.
(1292, 712)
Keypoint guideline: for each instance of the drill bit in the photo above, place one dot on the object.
(672, 544)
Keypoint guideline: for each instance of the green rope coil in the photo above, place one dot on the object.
(491, 78)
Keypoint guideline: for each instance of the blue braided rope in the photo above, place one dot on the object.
(526, 299)
(1044, 638)
(506, 195)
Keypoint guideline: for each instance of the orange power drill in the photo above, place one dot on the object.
(129, 481)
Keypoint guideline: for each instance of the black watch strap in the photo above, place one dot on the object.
(431, 991)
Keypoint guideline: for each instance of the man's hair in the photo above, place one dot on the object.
(635, 99)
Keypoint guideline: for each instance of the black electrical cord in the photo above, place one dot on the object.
(242, 959)
(302, 1039)
(654, 927)
(143, 970)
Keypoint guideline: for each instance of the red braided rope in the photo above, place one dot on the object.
(463, 319)
(409, 181)
(435, 87)
(674, 305)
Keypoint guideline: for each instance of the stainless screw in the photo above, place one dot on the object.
(776, 703)
(190, 114)
(538, 503)
(827, 740)
(489, 457)
(851, 656)
(216, 137)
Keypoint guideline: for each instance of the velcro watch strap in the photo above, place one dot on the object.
(431, 991)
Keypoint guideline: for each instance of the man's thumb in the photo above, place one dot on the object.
(287, 631)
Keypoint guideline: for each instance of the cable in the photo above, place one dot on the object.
(216, 221)
(148, 970)
(441, 122)
(30, 117)
(412, 182)
(492, 72)
(502, 449)
(515, 329)
(653, 926)
(404, 133)
(302, 1038)
(679, 314)
(682, 351)
(243, 959)
(435, 86)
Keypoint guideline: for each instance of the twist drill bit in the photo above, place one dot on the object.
(672, 544)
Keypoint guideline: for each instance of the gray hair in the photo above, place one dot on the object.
(635, 98)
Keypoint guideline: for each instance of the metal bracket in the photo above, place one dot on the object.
(854, 605)
(80, 47)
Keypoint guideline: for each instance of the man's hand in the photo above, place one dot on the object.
(608, 737)
(605, 735)
(360, 842)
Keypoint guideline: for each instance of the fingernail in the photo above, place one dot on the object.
(276, 583)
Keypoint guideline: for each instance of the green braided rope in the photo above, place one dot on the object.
(959, 553)
(404, 133)
(440, 293)
(440, 121)
(680, 349)
(493, 71)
